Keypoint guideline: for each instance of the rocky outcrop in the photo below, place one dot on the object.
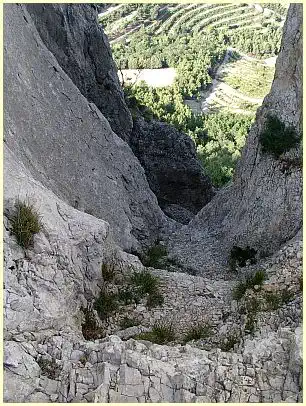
(65, 140)
(74, 37)
(60, 152)
(173, 171)
(72, 33)
(263, 206)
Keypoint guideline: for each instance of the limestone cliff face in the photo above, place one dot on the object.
(60, 152)
(263, 206)
(65, 140)
(72, 33)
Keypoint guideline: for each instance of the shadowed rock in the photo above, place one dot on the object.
(72, 33)
(172, 168)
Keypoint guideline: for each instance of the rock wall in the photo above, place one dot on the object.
(72, 33)
(74, 37)
(263, 206)
(172, 168)
(60, 151)
(65, 140)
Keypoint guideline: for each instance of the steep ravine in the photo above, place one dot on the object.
(82, 50)
(62, 153)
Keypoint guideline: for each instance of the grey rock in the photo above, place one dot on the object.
(66, 142)
(72, 33)
(173, 171)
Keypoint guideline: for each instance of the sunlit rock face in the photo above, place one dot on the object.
(67, 143)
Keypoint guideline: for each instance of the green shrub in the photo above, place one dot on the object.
(197, 332)
(154, 300)
(108, 271)
(257, 279)
(90, 328)
(154, 256)
(229, 341)
(49, 368)
(127, 322)
(106, 304)
(239, 257)
(161, 333)
(128, 295)
(278, 138)
(277, 299)
(145, 282)
(25, 223)
(249, 283)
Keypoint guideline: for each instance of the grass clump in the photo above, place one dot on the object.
(49, 368)
(90, 328)
(127, 322)
(278, 138)
(25, 223)
(240, 256)
(161, 333)
(249, 283)
(128, 295)
(155, 256)
(197, 332)
(154, 300)
(301, 283)
(106, 304)
(145, 282)
(229, 341)
(277, 299)
(108, 271)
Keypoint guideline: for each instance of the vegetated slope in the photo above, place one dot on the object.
(196, 39)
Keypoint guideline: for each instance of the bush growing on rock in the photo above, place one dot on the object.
(127, 322)
(162, 333)
(155, 256)
(229, 341)
(197, 332)
(49, 368)
(25, 223)
(106, 304)
(154, 300)
(128, 295)
(90, 328)
(249, 283)
(145, 282)
(275, 300)
(278, 138)
(108, 271)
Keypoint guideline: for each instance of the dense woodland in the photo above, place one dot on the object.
(164, 37)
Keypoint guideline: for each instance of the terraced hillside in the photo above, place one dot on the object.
(222, 59)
